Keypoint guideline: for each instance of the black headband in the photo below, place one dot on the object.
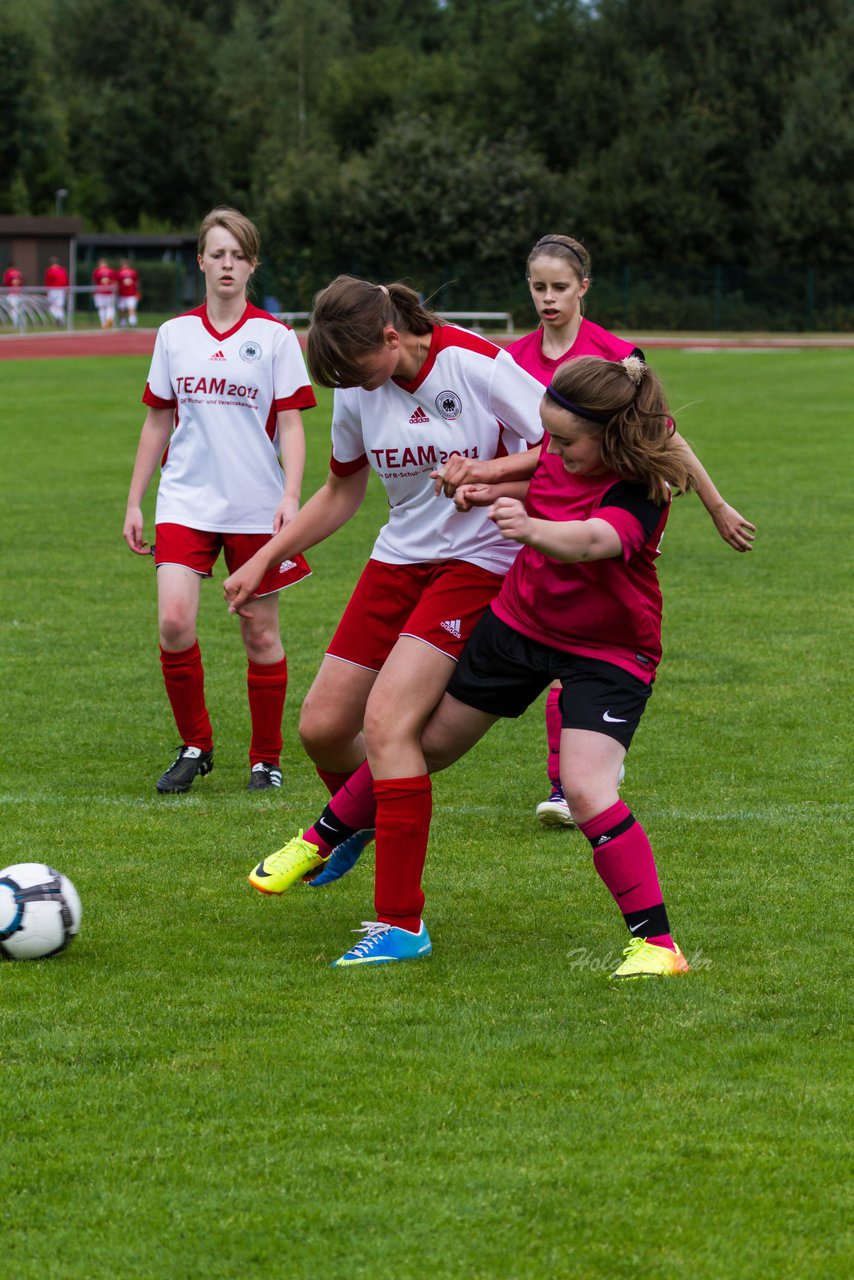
(568, 248)
(590, 415)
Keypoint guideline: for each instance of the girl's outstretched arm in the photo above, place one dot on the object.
(732, 526)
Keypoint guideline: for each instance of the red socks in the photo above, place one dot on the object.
(267, 684)
(184, 677)
(332, 781)
(624, 861)
(404, 809)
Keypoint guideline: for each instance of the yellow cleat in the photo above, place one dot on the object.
(286, 866)
(646, 960)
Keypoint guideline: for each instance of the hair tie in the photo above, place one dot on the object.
(635, 368)
(589, 415)
(568, 248)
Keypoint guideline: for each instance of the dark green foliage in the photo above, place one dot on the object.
(437, 138)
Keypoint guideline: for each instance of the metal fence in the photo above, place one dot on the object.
(33, 309)
(634, 298)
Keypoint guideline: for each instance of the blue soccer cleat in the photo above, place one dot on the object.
(384, 943)
(343, 857)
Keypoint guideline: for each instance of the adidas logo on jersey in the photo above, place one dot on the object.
(418, 417)
(217, 355)
(287, 564)
(453, 628)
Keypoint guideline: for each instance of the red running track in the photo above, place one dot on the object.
(140, 342)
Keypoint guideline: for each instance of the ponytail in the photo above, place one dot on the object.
(623, 404)
(348, 321)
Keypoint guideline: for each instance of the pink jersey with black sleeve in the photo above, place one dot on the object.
(605, 609)
(221, 471)
(469, 398)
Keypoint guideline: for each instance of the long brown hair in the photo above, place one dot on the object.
(347, 323)
(636, 439)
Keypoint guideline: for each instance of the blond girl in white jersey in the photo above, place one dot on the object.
(224, 396)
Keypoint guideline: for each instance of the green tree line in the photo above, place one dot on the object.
(436, 139)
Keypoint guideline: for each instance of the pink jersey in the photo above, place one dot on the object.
(591, 340)
(469, 398)
(221, 471)
(605, 609)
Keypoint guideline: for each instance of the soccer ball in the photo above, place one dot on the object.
(39, 911)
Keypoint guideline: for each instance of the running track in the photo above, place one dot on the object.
(140, 342)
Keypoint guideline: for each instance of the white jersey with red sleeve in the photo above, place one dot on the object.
(469, 398)
(221, 471)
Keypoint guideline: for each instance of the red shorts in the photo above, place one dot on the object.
(437, 603)
(197, 549)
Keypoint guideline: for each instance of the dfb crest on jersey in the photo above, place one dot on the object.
(449, 405)
(250, 352)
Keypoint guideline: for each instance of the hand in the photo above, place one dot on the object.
(474, 495)
(240, 587)
(456, 471)
(511, 518)
(132, 532)
(733, 527)
(287, 510)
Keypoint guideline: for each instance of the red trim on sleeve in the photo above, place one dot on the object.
(347, 468)
(155, 402)
(303, 398)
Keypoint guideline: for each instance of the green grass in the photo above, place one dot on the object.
(191, 1092)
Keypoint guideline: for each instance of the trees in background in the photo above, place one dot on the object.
(438, 138)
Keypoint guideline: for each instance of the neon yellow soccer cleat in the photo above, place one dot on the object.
(646, 960)
(286, 866)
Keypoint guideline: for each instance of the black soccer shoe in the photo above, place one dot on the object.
(189, 762)
(264, 776)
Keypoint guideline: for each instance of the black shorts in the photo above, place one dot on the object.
(502, 672)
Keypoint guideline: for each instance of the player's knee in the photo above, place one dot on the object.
(262, 644)
(177, 628)
(319, 730)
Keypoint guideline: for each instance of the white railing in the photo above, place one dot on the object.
(505, 317)
(28, 308)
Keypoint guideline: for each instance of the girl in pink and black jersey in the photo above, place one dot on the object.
(581, 604)
(558, 274)
(224, 394)
(411, 392)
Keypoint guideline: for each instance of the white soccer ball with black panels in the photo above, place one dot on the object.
(39, 911)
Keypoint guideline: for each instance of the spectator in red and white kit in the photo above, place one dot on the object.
(13, 279)
(56, 283)
(127, 282)
(104, 280)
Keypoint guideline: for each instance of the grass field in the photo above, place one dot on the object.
(191, 1092)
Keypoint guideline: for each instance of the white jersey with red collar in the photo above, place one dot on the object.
(221, 471)
(469, 398)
